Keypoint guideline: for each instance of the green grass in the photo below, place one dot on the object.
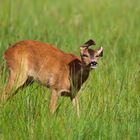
(109, 100)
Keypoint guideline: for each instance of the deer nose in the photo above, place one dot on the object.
(94, 63)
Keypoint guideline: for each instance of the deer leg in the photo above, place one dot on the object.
(54, 98)
(76, 105)
(14, 82)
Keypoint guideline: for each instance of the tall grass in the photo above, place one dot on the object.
(109, 100)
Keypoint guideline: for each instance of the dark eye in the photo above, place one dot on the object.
(85, 55)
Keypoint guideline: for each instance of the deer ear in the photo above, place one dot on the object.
(88, 43)
(84, 50)
(100, 52)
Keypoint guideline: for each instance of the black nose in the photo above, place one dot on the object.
(94, 63)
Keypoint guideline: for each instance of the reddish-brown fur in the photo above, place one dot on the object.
(63, 73)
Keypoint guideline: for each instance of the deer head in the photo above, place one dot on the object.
(89, 56)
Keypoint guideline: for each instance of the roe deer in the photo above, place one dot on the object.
(63, 73)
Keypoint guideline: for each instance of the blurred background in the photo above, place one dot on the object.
(109, 100)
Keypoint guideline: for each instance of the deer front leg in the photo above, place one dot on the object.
(54, 98)
(76, 105)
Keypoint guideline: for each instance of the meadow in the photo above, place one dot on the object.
(109, 100)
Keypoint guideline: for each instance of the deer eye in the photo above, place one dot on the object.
(85, 55)
(97, 56)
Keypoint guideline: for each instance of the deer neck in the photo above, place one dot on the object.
(84, 70)
(79, 72)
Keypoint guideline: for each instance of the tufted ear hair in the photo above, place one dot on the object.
(88, 43)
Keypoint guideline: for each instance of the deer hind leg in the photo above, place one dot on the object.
(15, 80)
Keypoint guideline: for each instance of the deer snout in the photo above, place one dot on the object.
(93, 64)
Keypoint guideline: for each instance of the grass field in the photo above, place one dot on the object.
(109, 100)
